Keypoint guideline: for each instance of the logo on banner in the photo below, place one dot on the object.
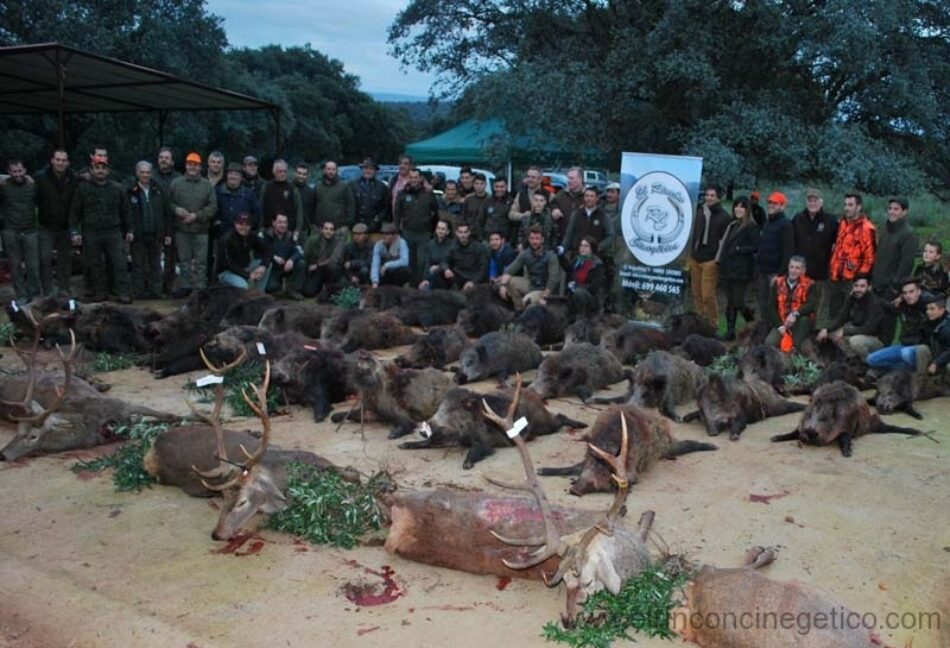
(657, 218)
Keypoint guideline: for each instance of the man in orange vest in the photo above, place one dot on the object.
(854, 253)
(793, 298)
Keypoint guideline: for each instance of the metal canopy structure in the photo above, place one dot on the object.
(58, 79)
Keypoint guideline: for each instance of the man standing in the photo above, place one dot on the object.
(858, 328)
(323, 257)
(252, 180)
(466, 182)
(283, 259)
(416, 214)
(20, 240)
(308, 197)
(194, 205)
(280, 196)
(235, 199)
(164, 176)
(450, 204)
(854, 252)
(709, 227)
(612, 206)
(776, 244)
(54, 191)
(390, 265)
(372, 200)
(495, 210)
(98, 218)
(566, 201)
(334, 201)
(541, 270)
(590, 220)
(216, 168)
(401, 180)
(472, 206)
(815, 232)
(150, 219)
(466, 263)
(521, 207)
(894, 260)
(358, 256)
(792, 309)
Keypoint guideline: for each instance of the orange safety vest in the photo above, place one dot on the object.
(792, 300)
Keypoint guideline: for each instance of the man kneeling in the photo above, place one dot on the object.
(793, 301)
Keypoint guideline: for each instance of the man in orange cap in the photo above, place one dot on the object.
(775, 249)
(194, 205)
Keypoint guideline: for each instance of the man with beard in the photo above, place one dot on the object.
(164, 175)
(466, 263)
(709, 226)
(54, 191)
(857, 330)
(521, 207)
(20, 239)
(252, 180)
(589, 220)
(373, 202)
(496, 208)
(283, 258)
(472, 206)
(466, 182)
(280, 196)
(566, 201)
(334, 201)
(854, 252)
(358, 256)
(308, 197)
(323, 258)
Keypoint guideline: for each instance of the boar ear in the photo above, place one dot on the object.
(482, 353)
(279, 316)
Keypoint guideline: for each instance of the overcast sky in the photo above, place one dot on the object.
(351, 31)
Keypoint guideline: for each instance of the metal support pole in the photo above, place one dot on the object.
(162, 116)
(61, 98)
(275, 114)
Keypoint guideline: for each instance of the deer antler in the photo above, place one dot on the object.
(223, 469)
(260, 409)
(576, 555)
(29, 359)
(552, 543)
(61, 392)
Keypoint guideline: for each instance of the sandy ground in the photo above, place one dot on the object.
(82, 565)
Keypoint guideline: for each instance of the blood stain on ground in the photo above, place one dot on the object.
(363, 631)
(371, 594)
(765, 499)
(234, 545)
(503, 582)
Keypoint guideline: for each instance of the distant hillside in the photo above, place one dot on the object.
(393, 97)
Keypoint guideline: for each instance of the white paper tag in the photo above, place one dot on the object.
(425, 430)
(204, 381)
(260, 349)
(309, 347)
(72, 304)
(15, 306)
(520, 424)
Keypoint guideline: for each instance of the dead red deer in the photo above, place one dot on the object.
(56, 413)
(602, 556)
(181, 457)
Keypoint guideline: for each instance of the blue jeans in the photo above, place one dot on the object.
(894, 357)
(229, 278)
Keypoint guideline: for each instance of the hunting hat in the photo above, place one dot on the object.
(613, 186)
(235, 167)
(360, 228)
(388, 228)
(778, 197)
(811, 192)
(243, 217)
(192, 158)
(250, 159)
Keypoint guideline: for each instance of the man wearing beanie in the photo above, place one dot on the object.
(708, 229)
(776, 243)
(854, 252)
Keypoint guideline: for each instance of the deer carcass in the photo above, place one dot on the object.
(185, 457)
(601, 557)
(56, 413)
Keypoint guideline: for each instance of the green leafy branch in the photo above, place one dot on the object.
(129, 472)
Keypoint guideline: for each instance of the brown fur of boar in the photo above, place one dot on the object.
(305, 318)
(366, 329)
(633, 340)
(459, 421)
(402, 397)
(228, 344)
(702, 350)
(478, 319)
(649, 440)
(838, 412)
(744, 592)
(727, 403)
(544, 324)
(592, 329)
(664, 380)
(753, 334)
(898, 391)
(682, 325)
(316, 378)
(438, 347)
(765, 363)
(578, 370)
(498, 354)
(115, 329)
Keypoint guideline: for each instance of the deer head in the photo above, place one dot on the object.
(249, 487)
(601, 557)
(39, 427)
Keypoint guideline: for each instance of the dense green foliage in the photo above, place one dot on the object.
(323, 508)
(643, 605)
(347, 298)
(324, 113)
(724, 365)
(852, 94)
(803, 373)
(244, 376)
(126, 462)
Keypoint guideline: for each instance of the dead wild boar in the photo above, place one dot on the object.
(427, 308)
(115, 329)
(478, 319)
(497, 354)
(305, 318)
(366, 329)
(702, 350)
(438, 347)
(753, 334)
(316, 378)
(838, 412)
(229, 343)
(664, 380)
(682, 325)
(459, 422)
(592, 329)
(649, 440)
(727, 403)
(248, 311)
(402, 397)
(765, 363)
(898, 390)
(578, 370)
(543, 324)
(634, 340)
